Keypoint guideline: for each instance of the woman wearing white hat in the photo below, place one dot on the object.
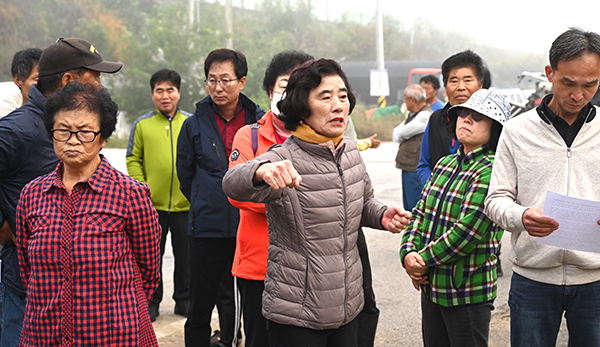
(449, 248)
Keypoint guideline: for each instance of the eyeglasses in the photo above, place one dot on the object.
(225, 82)
(63, 135)
(476, 116)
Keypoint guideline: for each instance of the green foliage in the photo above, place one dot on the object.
(382, 126)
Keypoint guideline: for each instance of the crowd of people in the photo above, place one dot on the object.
(266, 209)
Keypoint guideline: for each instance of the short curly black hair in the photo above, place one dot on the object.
(77, 96)
(282, 64)
(294, 106)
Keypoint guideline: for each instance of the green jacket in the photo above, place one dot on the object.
(457, 241)
(151, 155)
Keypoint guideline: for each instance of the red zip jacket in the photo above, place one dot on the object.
(252, 242)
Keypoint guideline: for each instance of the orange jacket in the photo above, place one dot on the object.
(252, 242)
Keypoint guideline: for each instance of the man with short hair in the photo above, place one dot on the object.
(151, 154)
(24, 69)
(463, 74)
(26, 152)
(431, 85)
(554, 147)
(409, 135)
(203, 150)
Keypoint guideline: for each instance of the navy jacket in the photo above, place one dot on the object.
(26, 152)
(201, 164)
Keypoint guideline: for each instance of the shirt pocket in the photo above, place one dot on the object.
(104, 232)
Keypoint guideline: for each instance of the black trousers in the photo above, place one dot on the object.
(211, 283)
(459, 326)
(176, 222)
(282, 335)
(255, 325)
(369, 316)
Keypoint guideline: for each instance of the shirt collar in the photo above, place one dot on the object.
(215, 109)
(552, 117)
(97, 181)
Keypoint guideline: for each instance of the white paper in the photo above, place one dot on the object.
(577, 219)
(380, 84)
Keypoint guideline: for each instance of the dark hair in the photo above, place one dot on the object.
(282, 64)
(165, 75)
(431, 79)
(220, 55)
(487, 78)
(78, 96)
(572, 44)
(494, 135)
(24, 61)
(306, 77)
(50, 83)
(466, 58)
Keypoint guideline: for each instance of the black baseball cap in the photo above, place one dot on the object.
(73, 53)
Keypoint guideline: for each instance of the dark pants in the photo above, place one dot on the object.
(176, 222)
(281, 335)
(210, 282)
(369, 316)
(255, 325)
(536, 311)
(459, 326)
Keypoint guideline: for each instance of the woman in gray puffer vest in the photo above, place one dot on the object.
(317, 194)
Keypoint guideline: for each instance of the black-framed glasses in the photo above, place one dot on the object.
(63, 135)
(476, 116)
(225, 82)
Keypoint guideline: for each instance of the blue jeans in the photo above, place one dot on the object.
(411, 189)
(536, 311)
(12, 310)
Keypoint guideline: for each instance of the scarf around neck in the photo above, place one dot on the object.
(306, 133)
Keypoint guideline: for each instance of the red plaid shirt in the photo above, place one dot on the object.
(89, 261)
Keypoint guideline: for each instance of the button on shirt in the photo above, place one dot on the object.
(228, 129)
(89, 260)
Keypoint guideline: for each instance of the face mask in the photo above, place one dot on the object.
(276, 98)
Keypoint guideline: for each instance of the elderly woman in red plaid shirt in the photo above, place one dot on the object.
(88, 236)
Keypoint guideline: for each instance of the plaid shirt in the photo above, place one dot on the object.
(89, 261)
(457, 241)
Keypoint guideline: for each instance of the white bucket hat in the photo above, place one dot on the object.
(488, 103)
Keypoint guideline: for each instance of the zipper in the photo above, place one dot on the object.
(216, 150)
(443, 198)
(345, 233)
(170, 134)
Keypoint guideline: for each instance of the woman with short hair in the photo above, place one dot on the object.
(87, 235)
(317, 193)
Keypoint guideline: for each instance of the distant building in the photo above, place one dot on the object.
(359, 73)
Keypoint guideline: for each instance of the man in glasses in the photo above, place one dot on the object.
(26, 152)
(203, 151)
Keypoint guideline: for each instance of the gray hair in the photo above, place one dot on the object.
(572, 44)
(416, 92)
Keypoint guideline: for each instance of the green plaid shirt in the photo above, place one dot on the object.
(457, 241)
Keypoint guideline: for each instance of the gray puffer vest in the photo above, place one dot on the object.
(314, 273)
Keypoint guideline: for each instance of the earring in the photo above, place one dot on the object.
(301, 122)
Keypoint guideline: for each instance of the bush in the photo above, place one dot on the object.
(382, 126)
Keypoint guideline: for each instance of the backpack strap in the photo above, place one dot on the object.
(254, 130)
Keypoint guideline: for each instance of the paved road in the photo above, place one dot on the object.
(400, 320)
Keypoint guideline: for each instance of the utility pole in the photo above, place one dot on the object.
(229, 23)
(379, 78)
(191, 11)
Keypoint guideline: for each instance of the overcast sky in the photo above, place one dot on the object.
(521, 24)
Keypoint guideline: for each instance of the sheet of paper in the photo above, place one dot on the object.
(577, 223)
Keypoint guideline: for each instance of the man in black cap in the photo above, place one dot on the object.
(26, 152)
